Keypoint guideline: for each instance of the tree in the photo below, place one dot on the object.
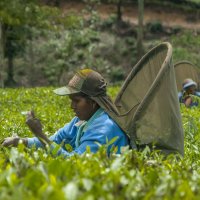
(119, 10)
(140, 49)
(17, 17)
(1, 55)
(118, 4)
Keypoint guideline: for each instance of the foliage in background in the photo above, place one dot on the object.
(55, 55)
(30, 174)
(17, 19)
(186, 47)
(46, 46)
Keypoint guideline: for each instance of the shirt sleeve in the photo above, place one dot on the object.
(64, 134)
(91, 141)
(94, 136)
(100, 134)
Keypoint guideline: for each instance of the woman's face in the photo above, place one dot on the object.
(83, 107)
(191, 89)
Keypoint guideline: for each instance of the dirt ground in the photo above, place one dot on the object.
(168, 16)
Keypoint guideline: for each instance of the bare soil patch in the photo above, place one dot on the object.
(167, 16)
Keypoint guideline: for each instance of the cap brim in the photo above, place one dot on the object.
(65, 91)
(189, 84)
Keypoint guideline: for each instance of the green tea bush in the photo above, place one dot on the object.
(186, 47)
(30, 174)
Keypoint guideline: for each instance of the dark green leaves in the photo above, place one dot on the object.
(37, 174)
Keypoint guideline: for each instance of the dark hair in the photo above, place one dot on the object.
(83, 95)
(87, 97)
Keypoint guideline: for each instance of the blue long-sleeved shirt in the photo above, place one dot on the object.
(100, 130)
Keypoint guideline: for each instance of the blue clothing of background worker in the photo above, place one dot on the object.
(195, 102)
(91, 127)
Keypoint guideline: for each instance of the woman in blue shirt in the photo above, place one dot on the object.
(91, 126)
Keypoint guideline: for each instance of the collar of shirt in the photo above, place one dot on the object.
(82, 125)
(87, 123)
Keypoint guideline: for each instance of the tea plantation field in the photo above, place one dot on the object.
(30, 174)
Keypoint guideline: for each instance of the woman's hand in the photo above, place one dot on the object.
(188, 101)
(35, 126)
(13, 141)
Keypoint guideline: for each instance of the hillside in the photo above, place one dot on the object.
(168, 16)
(100, 41)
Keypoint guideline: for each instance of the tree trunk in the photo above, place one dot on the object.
(119, 11)
(9, 52)
(10, 82)
(140, 49)
(1, 55)
(32, 77)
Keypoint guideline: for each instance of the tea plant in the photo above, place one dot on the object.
(30, 174)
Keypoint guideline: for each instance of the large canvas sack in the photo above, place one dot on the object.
(147, 103)
(185, 69)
